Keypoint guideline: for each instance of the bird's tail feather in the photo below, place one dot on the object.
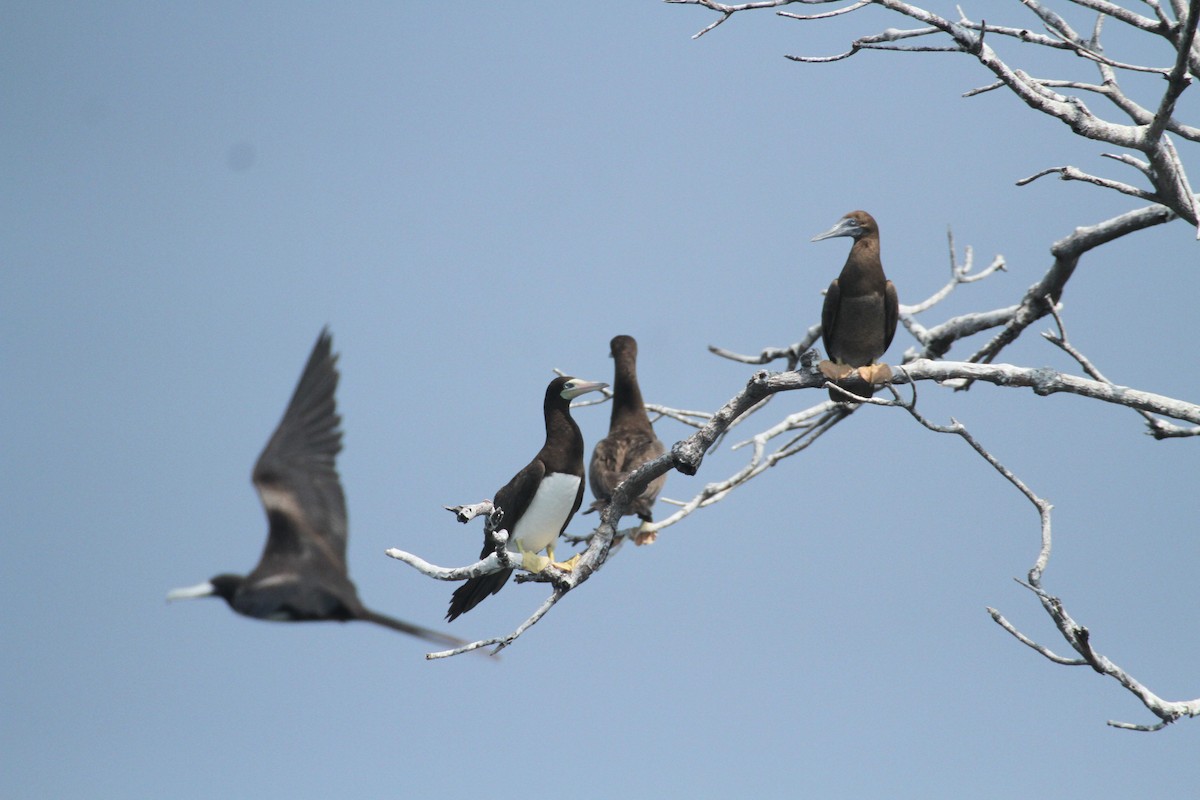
(475, 591)
(411, 629)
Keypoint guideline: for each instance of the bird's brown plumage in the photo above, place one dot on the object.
(858, 318)
(630, 441)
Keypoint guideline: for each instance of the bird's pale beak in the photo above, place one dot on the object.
(205, 589)
(582, 387)
(844, 227)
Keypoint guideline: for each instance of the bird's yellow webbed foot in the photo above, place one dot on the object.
(565, 566)
(569, 564)
(532, 561)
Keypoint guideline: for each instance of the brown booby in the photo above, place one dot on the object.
(540, 500)
(630, 442)
(858, 319)
(302, 574)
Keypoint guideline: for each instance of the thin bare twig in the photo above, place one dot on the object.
(1076, 635)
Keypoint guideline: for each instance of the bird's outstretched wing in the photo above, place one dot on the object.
(296, 474)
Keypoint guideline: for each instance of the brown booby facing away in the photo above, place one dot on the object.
(630, 442)
(302, 575)
(540, 500)
(858, 319)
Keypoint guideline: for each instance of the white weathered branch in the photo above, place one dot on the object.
(1069, 173)
(1067, 252)
(1171, 185)
(1077, 636)
(809, 424)
(1045, 651)
(501, 642)
(727, 10)
(1145, 129)
(806, 426)
(485, 566)
(1158, 428)
(791, 353)
(469, 512)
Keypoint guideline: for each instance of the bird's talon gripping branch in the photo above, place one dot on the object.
(645, 535)
(876, 374)
(569, 564)
(835, 372)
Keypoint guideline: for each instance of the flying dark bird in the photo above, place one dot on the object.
(630, 442)
(859, 317)
(302, 573)
(540, 499)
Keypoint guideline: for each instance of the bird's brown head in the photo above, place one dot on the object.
(622, 346)
(856, 225)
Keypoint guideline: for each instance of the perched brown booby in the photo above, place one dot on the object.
(630, 442)
(858, 319)
(540, 500)
(302, 574)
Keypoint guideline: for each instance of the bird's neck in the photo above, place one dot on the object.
(560, 429)
(628, 410)
(864, 269)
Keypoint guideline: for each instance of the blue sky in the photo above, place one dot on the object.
(470, 197)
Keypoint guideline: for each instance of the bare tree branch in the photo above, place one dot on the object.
(1158, 428)
(804, 428)
(1170, 185)
(1045, 651)
(1067, 252)
(1077, 636)
(1069, 173)
(1145, 138)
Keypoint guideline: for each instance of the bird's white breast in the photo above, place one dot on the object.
(544, 518)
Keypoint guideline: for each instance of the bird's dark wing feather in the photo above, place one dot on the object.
(515, 496)
(829, 312)
(891, 311)
(296, 473)
(474, 591)
(604, 471)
